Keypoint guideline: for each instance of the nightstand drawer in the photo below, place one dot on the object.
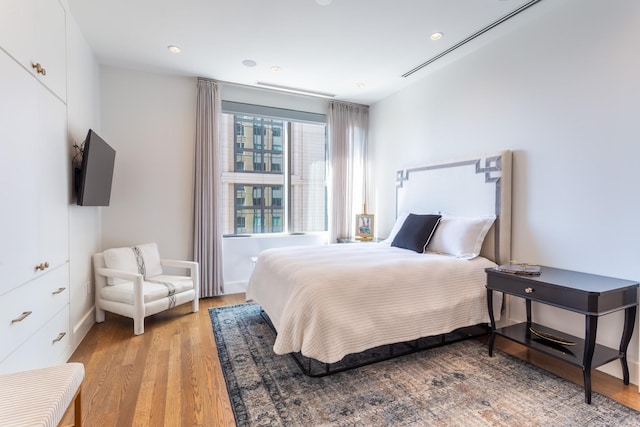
(598, 295)
(537, 291)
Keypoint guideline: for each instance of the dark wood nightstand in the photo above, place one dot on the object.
(583, 293)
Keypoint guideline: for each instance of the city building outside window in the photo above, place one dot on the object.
(274, 175)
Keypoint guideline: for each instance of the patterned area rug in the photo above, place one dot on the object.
(454, 385)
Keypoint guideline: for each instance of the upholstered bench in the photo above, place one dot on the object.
(41, 397)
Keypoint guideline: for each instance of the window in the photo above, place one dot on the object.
(240, 196)
(275, 175)
(257, 196)
(240, 222)
(276, 196)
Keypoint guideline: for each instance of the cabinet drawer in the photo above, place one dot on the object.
(48, 346)
(27, 308)
(542, 292)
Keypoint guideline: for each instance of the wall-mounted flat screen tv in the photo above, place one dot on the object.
(93, 180)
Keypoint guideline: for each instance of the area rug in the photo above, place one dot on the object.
(454, 385)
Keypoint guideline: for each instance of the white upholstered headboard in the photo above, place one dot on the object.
(479, 185)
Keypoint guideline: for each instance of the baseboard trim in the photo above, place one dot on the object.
(82, 328)
(84, 319)
(235, 288)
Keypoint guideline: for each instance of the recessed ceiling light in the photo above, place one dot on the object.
(275, 68)
(436, 36)
(360, 84)
(249, 63)
(174, 49)
(324, 2)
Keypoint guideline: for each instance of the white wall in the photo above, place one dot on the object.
(560, 87)
(83, 112)
(149, 119)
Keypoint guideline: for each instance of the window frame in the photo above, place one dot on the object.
(282, 148)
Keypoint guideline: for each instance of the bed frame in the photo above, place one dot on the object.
(474, 186)
(314, 368)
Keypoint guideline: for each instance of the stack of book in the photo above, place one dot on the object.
(520, 268)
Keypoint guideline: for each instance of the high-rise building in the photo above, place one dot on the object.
(273, 175)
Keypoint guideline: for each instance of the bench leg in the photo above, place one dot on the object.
(77, 422)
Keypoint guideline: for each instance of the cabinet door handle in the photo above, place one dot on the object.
(528, 290)
(42, 266)
(59, 291)
(20, 318)
(59, 337)
(39, 68)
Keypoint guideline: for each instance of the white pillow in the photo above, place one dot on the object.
(151, 257)
(142, 259)
(396, 227)
(460, 236)
(122, 259)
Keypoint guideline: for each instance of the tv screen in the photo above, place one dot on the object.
(96, 172)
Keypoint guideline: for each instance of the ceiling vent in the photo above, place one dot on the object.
(296, 90)
(473, 36)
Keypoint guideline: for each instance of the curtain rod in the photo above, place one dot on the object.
(350, 104)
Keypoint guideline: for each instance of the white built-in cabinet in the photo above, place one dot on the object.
(35, 176)
(33, 33)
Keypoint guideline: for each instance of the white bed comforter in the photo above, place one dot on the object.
(330, 301)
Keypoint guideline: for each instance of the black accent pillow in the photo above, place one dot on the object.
(416, 232)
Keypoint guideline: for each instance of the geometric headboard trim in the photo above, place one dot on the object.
(491, 166)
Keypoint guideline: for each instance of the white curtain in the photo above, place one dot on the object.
(207, 237)
(348, 126)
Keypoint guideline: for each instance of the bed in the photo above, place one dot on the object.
(327, 302)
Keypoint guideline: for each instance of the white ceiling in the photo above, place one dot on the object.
(328, 48)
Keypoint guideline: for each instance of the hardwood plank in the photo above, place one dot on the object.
(601, 382)
(171, 374)
(188, 383)
(216, 392)
(142, 412)
(159, 394)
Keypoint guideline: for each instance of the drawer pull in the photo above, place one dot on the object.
(59, 291)
(39, 68)
(59, 337)
(42, 266)
(20, 318)
(528, 290)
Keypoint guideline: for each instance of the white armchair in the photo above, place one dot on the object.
(129, 281)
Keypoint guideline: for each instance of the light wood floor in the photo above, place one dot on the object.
(171, 376)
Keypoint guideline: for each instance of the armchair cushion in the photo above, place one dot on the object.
(121, 259)
(141, 259)
(154, 288)
(150, 259)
